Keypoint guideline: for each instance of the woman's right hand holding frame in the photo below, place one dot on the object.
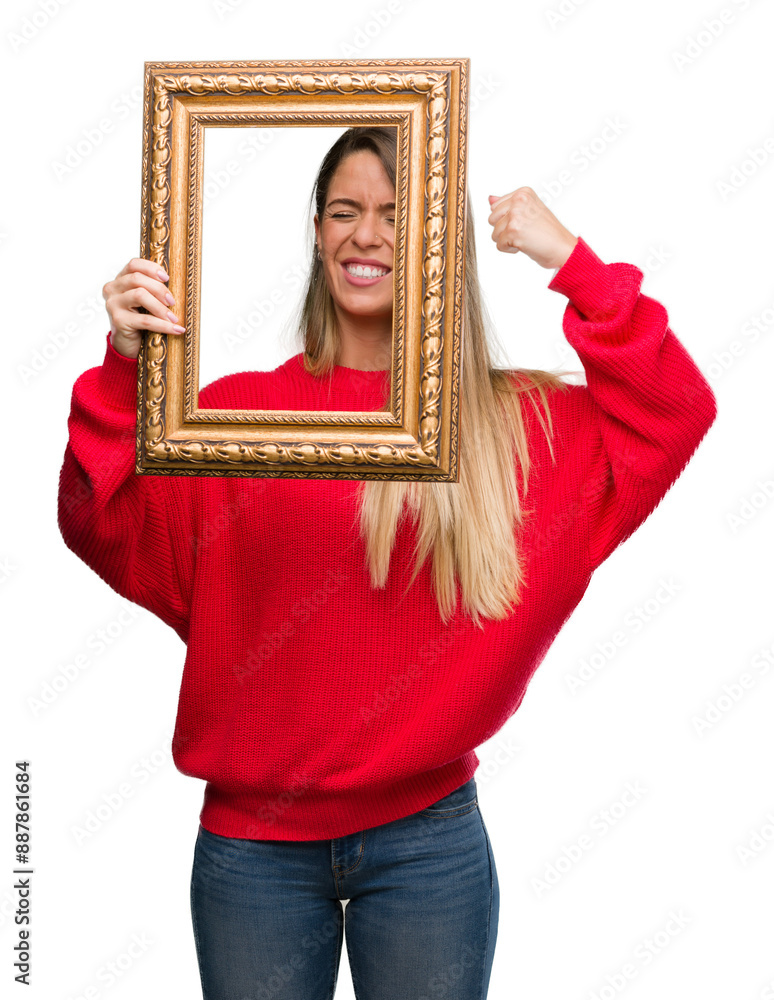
(136, 300)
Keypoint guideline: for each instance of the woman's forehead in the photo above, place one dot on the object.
(362, 169)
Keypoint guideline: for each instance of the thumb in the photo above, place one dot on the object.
(493, 198)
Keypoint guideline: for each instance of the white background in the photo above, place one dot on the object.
(690, 88)
(256, 182)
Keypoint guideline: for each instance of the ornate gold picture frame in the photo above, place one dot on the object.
(416, 437)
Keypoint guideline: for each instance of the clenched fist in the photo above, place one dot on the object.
(522, 222)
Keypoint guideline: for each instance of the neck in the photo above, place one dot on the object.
(366, 344)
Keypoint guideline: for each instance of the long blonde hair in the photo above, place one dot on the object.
(472, 526)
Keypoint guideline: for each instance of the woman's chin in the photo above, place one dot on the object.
(367, 310)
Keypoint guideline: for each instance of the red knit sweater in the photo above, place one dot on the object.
(313, 705)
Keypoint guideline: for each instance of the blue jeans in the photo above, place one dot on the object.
(421, 917)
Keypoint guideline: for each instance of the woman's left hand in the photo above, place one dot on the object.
(522, 222)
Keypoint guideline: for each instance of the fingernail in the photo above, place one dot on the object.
(163, 275)
(171, 317)
(179, 329)
(170, 300)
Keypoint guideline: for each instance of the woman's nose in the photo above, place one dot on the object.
(367, 232)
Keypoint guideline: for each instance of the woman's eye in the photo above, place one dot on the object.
(351, 215)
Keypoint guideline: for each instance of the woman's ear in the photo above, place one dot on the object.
(317, 229)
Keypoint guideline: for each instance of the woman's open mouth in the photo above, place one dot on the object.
(364, 274)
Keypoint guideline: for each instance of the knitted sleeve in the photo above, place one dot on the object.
(646, 405)
(132, 530)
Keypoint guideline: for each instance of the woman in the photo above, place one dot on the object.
(337, 680)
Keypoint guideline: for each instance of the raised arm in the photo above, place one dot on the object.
(133, 531)
(646, 405)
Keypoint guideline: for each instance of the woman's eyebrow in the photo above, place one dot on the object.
(356, 204)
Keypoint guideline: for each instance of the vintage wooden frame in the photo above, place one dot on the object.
(417, 436)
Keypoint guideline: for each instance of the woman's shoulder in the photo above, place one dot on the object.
(249, 390)
(551, 400)
(555, 389)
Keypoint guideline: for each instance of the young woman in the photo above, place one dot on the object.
(350, 644)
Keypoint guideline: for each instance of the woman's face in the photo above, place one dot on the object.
(357, 234)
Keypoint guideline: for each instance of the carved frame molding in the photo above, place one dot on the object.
(417, 437)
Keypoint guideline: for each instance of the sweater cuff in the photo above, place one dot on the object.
(117, 380)
(586, 281)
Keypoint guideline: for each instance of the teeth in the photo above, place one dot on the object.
(366, 271)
